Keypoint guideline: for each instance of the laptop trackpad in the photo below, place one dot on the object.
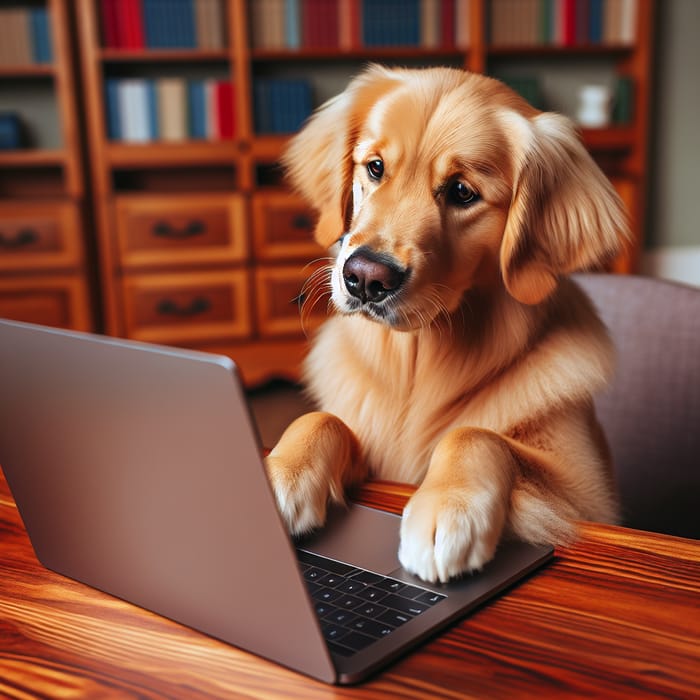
(361, 536)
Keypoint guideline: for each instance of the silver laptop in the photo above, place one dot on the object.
(137, 470)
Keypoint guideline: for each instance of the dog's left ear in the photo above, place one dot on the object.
(564, 216)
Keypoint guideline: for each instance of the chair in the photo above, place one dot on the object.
(651, 412)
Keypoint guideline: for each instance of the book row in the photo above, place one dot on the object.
(347, 25)
(25, 36)
(562, 22)
(141, 110)
(163, 24)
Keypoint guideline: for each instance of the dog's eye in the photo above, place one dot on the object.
(460, 194)
(375, 169)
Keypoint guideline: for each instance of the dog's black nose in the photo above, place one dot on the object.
(371, 277)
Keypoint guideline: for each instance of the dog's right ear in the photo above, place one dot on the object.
(318, 160)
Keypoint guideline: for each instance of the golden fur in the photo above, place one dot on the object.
(475, 378)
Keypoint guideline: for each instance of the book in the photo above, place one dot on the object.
(196, 109)
(462, 24)
(112, 109)
(172, 109)
(133, 110)
(225, 112)
(42, 47)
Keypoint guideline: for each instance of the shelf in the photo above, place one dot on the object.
(614, 138)
(548, 50)
(32, 158)
(39, 70)
(359, 54)
(163, 55)
(169, 153)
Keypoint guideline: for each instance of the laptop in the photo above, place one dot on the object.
(137, 470)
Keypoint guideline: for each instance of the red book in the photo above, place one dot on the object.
(134, 32)
(110, 35)
(320, 24)
(447, 21)
(225, 112)
(569, 22)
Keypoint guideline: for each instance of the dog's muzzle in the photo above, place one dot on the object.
(372, 277)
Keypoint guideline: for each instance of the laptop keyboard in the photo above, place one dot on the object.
(357, 607)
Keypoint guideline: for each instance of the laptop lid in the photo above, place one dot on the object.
(136, 470)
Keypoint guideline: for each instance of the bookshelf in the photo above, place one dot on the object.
(44, 276)
(198, 242)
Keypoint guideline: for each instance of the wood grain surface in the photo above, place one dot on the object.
(614, 616)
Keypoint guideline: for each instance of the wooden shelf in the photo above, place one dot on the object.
(361, 54)
(616, 138)
(169, 153)
(162, 55)
(32, 158)
(550, 51)
(33, 70)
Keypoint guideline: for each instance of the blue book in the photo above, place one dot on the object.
(595, 21)
(152, 110)
(183, 24)
(196, 109)
(41, 35)
(112, 109)
(10, 131)
(292, 24)
(150, 22)
(262, 118)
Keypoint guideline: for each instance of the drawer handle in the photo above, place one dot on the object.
(302, 221)
(23, 238)
(164, 230)
(168, 307)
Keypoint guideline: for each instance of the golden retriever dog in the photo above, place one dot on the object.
(460, 357)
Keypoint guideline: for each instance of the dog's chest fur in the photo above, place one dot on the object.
(398, 392)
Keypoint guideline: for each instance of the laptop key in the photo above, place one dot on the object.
(332, 580)
(394, 618)
(314, 574)
(411, 607)
(430, 598)
(334, 632)
(340, 617)
(356, 641)
(326, 595)
(372, 594)
(348, 602)
(371, 610)
(351, 586)
(391, 585)
(368, 577)
(371, 627)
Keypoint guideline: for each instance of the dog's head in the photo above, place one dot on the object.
(433, 182)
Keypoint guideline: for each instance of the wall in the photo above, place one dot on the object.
(673, 242)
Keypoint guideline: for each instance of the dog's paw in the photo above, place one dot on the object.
(301, 492)
(446, 533)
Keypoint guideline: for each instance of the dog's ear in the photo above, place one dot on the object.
(318, 160)
(564, 216)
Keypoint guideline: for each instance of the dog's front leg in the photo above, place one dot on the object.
(453, 523)
(314, 461)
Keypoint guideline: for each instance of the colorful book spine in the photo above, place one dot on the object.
(169, 109)
(564, 23)
(163, 24)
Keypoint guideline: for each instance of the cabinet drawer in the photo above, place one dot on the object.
(187, 230)
(39, 236)
(187, 307)
(280, 310)
(283, 227)
(60, 301)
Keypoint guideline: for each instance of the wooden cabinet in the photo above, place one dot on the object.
(198, 242)
(43, 263)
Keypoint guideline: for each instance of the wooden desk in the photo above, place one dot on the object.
(615, 616)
